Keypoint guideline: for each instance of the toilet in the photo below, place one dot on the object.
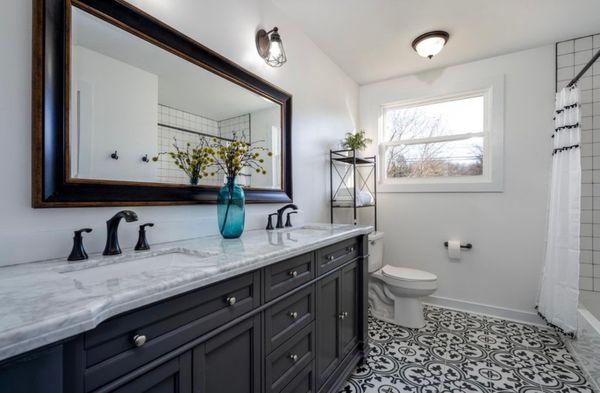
(396, 293)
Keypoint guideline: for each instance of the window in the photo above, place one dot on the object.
(440, 145)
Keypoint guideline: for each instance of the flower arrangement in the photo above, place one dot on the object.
(356, 140)
(230, 157)
(193, 160)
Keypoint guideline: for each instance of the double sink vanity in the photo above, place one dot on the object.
(274, 311)
(280, 310)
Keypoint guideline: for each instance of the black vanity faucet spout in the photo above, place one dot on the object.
(112, 226)
(280, 214)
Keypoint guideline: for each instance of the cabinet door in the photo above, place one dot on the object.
(173, 376)
(230, 361)
(349, 308)
(328, 349)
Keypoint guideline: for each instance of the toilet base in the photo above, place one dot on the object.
(408, 312)
(399, 310)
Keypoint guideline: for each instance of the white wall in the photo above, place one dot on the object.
(265, 125)
(324, 107)
(121, 116)
(507, 229)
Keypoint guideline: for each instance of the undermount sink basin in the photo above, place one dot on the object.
(140, 263)
(307, 229)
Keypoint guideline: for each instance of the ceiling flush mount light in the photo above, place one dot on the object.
(430, 44)
(270, 47)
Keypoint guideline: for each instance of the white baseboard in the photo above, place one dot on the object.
(493, 311)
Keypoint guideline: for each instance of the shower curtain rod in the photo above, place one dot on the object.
(584, 69)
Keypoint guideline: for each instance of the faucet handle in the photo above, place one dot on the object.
(269, 222)
(288, 222)
(142, 243)
(78, 252)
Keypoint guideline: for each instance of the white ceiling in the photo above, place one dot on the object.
(371, 39)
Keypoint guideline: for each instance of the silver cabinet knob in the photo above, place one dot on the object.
(350, 249)
(343, 315)
(293, 273)
(294, 357)
(139, 340)
(293, 315)
(231, 300)
(331, 257)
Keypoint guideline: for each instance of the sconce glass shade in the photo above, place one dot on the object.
(270, 48)
(430, 44)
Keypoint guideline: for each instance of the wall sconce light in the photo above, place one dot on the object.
(270, 47)
(431, 43)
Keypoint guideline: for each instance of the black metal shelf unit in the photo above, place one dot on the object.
(345, 165)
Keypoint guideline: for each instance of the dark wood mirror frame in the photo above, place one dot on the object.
(51, 185)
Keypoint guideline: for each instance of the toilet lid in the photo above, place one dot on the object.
(407, 274)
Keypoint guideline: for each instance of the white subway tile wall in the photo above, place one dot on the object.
(571, 57)
(187, 127)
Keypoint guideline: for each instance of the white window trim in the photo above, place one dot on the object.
(491, 180)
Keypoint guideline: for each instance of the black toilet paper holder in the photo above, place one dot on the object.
(468, 245)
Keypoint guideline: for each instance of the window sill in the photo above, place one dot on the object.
(442, 187)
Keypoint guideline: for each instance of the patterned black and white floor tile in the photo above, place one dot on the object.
(459, 352)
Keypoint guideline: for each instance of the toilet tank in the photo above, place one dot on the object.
(375, 251)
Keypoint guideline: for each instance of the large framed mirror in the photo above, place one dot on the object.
(117, 95)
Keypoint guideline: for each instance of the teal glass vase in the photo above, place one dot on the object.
(231, 213)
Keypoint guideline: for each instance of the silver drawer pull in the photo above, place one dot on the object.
(350, 249)
(139, 340)
(331, 257)
(293, 315)
(294, 357)
(293, 273)
(343, 315)
(231, 300)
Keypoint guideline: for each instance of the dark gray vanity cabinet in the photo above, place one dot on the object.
(337, 319)
(296, 326)
(349, 307)
(174, 376)
(229, 362)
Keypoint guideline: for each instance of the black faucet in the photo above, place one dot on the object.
(78, 252)
(142, 243)
(269, 222)
(288, 221)
(112, 226)
(280, 214)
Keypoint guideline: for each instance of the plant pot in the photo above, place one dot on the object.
(231, 214)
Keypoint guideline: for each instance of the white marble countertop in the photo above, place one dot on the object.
(45, 302)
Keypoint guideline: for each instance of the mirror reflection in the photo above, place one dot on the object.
(134, 104)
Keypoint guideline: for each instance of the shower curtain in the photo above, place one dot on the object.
(559, 291)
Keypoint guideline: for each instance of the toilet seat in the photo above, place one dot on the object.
(407, 274)
(408, 279)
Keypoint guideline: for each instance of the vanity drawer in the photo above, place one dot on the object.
(286, 362)
(303, 382)
(330, 257)
(111, 350)
(287, 317)
(285, 276)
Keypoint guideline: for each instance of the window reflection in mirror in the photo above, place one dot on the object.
(131, 101)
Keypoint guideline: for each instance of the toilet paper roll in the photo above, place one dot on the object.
(454, 249)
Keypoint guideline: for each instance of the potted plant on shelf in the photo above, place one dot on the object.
(356, 141)
(231, 158)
